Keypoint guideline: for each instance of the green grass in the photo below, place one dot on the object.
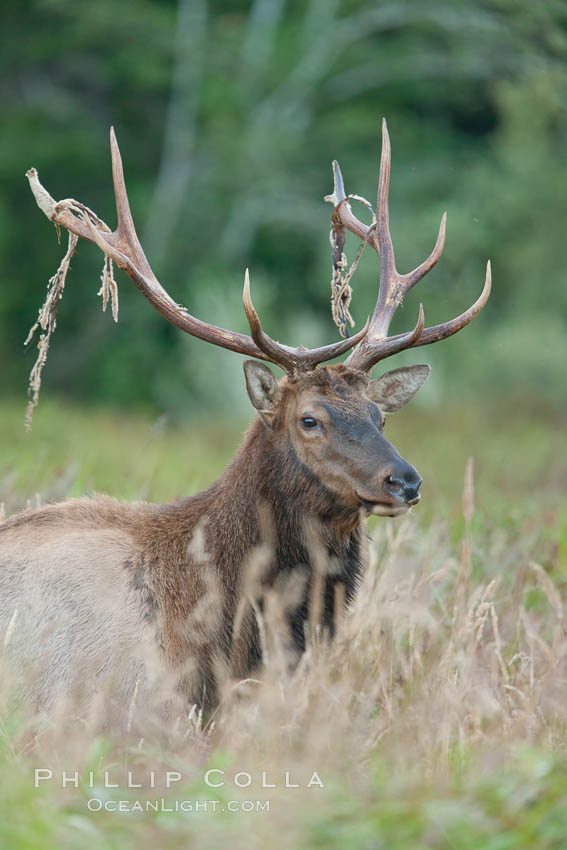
(437, 720)
(69, 453)
(520, 455)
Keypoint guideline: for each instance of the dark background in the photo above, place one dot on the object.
(228, 116)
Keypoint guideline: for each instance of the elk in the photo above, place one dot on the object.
(99, 596)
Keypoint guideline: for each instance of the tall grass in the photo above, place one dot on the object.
(436, 719)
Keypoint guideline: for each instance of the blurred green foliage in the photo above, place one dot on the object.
(228, 115)
(130, 456)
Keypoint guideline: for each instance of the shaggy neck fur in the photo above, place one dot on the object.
(267, 496)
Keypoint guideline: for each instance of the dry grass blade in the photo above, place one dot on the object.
(498, 645)
(551, 592)
(319, 568)
(466, 543)
(10, 629)
(339, 609)
(468, 492)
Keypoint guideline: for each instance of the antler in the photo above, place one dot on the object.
(124, 248)
(377, 345)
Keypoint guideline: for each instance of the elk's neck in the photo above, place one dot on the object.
(267, 495)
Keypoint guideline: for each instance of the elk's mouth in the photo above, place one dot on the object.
(378, 508)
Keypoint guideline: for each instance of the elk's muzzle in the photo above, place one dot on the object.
(404, 483)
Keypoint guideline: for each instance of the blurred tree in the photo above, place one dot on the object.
(229, 114)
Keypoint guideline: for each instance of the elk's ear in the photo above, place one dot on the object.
(262, 388)
(396, 388)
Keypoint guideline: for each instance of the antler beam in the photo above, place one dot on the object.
(124, 248)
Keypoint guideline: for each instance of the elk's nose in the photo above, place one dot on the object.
(405, 485)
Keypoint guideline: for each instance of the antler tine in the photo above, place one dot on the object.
(292, 359)
(264, 342)
(365, 358)
(126, 230)
(386, 301)
(394, 344)
(393, 286)
(342, 213)
(411, 278)
(447, 329)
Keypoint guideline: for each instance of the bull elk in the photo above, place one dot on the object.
(99, 596)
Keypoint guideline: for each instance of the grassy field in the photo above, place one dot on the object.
(437, 719)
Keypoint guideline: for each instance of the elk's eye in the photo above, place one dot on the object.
(308, 423)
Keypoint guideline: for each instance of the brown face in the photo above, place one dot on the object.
(334, 419)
